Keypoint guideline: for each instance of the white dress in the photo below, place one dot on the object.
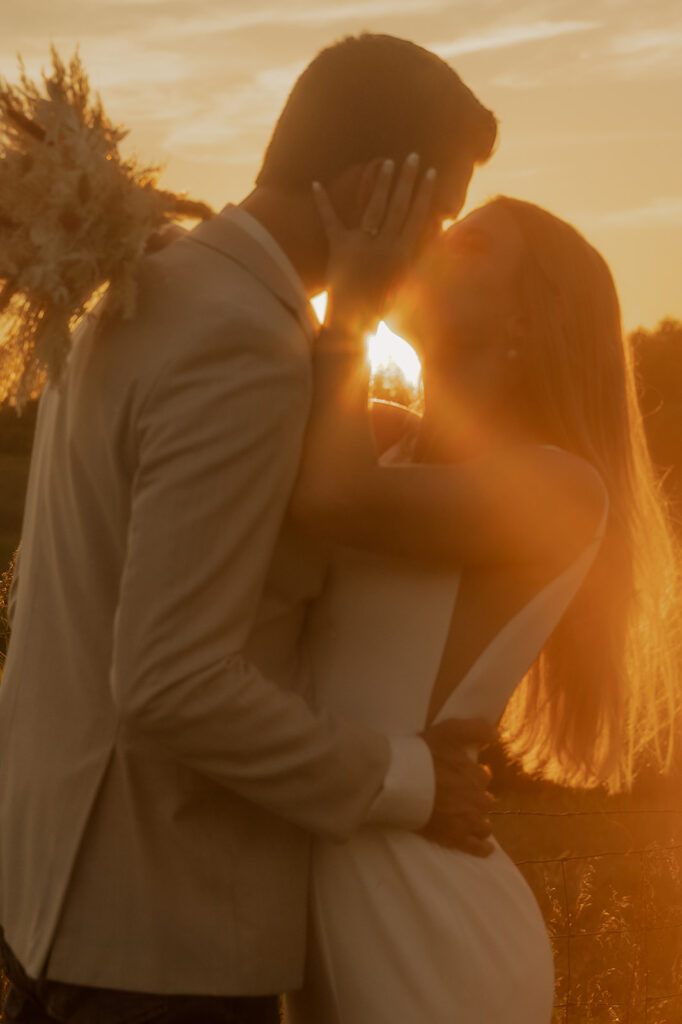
(403, 931)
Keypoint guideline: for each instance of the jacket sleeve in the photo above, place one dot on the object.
(218, 443)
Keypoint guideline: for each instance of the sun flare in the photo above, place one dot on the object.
(384, 347)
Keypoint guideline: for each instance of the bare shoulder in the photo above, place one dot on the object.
(390, 422)
(573, 476)
(524, 504)
(570, 495)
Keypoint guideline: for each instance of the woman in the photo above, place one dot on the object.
(508, 559)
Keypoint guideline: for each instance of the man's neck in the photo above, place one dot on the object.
(292, 221)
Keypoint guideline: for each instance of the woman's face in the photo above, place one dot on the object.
(460, 305)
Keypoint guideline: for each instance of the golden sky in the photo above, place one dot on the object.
(588, 94)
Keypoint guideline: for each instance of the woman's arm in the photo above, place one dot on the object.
(520, 503)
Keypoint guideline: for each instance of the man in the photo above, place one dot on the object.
(161, 770)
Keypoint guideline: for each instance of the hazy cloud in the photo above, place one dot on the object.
(658, 213)
(659, 40)
(255, 104)
(225, 21)
(511, 35)
(649, 51)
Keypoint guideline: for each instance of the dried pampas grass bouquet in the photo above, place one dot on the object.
(75, 217)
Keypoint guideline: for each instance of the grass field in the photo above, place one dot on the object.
(607, 873)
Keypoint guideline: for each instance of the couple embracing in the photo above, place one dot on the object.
(260, 630)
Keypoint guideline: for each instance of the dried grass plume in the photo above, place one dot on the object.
(75, 216)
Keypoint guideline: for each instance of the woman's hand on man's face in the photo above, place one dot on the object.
(366, 262)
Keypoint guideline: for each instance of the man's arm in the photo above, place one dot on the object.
(219, 442)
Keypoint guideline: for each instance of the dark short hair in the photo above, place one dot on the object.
(371, 96)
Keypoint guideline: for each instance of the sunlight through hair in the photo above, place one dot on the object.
(603, 699)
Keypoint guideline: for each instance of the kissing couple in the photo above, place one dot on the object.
(261, 628)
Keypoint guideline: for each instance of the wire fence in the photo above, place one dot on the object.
(609, 884)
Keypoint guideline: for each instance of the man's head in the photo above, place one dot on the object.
(369, 97)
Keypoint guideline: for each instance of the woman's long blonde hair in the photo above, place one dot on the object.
(603, 697)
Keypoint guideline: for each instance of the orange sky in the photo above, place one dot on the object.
(588, 95)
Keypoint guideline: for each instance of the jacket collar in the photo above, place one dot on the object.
(225, 235)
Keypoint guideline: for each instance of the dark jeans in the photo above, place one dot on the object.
(39, 1001)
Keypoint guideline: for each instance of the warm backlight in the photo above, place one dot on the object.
(385, 347)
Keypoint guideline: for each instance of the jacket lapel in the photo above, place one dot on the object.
(225, 236)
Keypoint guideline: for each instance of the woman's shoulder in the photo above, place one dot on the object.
(536, 503)
(577, 488)
(577, 472)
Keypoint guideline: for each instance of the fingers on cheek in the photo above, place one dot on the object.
(477, 824)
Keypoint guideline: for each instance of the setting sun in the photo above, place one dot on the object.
(385, 347)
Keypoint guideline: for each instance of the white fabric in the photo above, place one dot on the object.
(402, 930)
(408, 794)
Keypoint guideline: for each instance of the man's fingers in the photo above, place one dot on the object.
(482, 801)
(328, 215)
(455, 766)
(375, 210)
(402, 198)
(476, 847)
(456, 808)
(481, 829)
(465, 822)
(487, 802)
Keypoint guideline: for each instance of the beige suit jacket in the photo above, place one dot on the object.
(157, 789)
